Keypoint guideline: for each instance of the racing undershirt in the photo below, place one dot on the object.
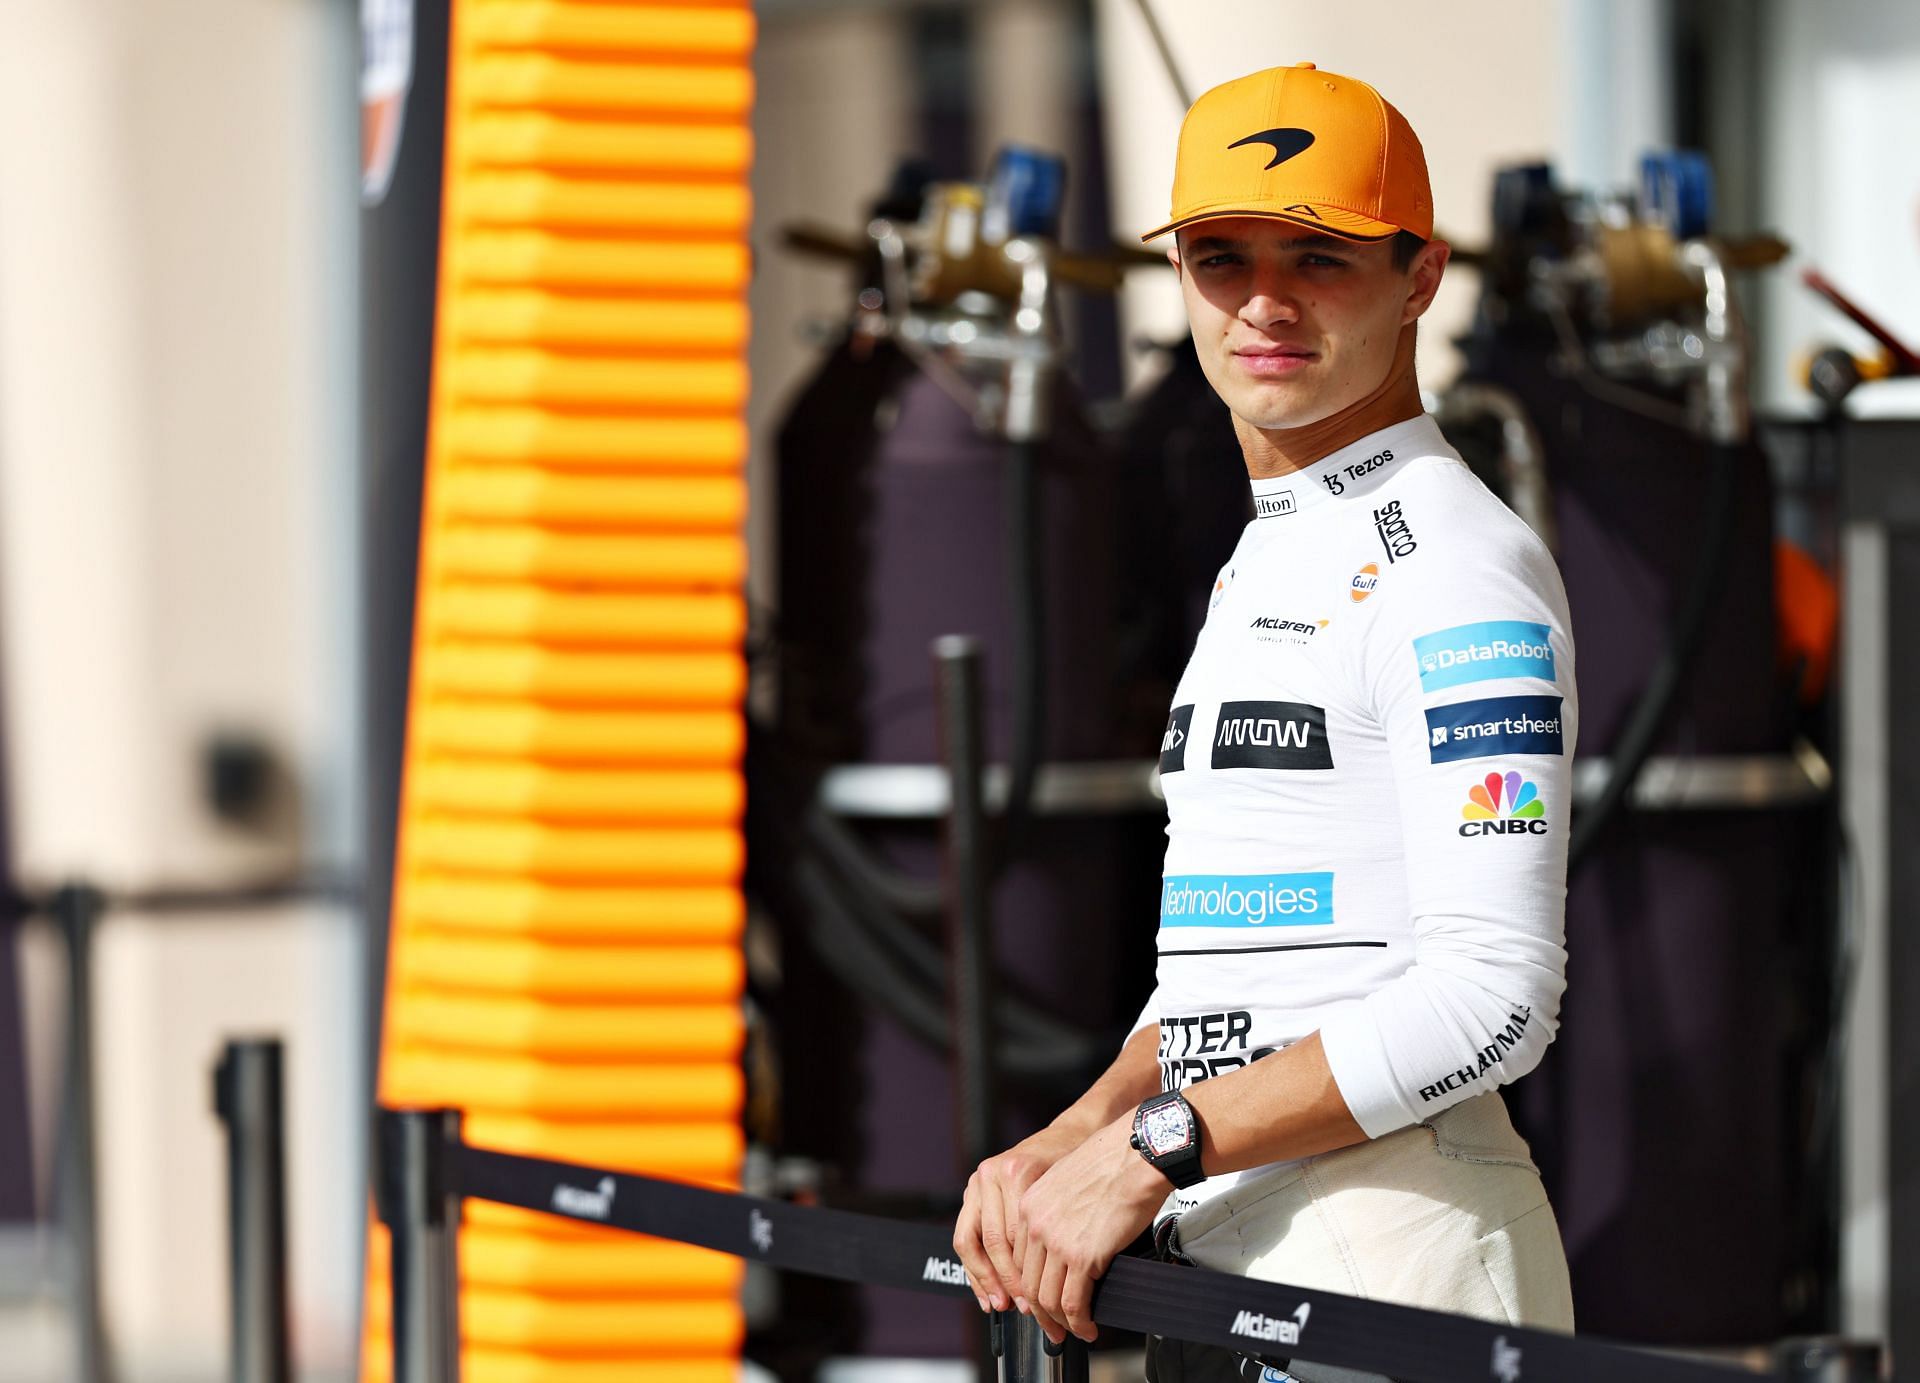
(1367, 770)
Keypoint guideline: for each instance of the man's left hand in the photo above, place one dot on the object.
(1084, 1210)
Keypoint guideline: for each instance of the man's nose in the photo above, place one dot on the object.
(1272, 302)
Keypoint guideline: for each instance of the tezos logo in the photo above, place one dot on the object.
(1364, 583)
(1395, 536)
(1526, 814)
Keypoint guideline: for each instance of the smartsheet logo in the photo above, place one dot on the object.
(1494, 726)
(1484, 651)
(1272, 735)
(1525, 814)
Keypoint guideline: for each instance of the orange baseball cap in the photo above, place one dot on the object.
(1298, 144)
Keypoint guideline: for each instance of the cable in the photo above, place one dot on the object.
(1649, 717)
(1028, 652)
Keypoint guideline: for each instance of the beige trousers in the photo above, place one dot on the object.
(1449, 1215)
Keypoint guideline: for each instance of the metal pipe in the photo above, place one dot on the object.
(75, 908)
(422, 1216)
(957, 660)
(247, 1097)
(1523, 465)
(1027, 1356)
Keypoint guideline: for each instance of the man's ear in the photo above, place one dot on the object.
(1426, 271)
(1173, 254)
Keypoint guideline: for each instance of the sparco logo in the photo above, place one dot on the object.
(1395, 536)
(1274, 505)
(1271, 734)
(760, 1232)
(596, 1204)
(1278, 1329)
(944, 1270)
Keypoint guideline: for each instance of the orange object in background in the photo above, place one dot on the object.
(564, 959)
(1807, 605)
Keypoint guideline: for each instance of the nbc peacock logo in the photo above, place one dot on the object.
(1524, 813)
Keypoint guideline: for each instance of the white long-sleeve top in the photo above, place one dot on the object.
(1367, 770)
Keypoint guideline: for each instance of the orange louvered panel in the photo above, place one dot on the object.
(564, 958)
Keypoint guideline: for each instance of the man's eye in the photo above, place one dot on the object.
(1323, 262)
(1220, 261)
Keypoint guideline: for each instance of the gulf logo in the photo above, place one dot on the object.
(1363, 582)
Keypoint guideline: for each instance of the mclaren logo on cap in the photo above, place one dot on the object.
(1286, 143)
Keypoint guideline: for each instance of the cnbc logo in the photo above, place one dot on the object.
(1526, 814)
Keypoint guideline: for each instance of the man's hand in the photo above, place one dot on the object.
(1082, 1212)
(989, 1234)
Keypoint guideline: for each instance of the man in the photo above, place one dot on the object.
(1367, 771)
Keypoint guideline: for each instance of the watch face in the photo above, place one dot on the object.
(1166, 1129)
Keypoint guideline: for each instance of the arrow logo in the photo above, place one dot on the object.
(1285, 143)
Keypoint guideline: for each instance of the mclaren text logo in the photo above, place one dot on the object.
(944, 1271)
(596, 1204)
(1279, 1330)
(1505, 1364)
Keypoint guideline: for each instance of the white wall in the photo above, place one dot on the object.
(177, 297)
(1841, 179)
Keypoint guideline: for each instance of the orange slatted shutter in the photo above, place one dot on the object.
(564, 956)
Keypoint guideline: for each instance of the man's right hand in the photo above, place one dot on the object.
(989, 1238)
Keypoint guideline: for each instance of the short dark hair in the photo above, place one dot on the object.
(1405, 246)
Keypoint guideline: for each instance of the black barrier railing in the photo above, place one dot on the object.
(426, 1167)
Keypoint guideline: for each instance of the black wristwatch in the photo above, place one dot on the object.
(1168, 1136)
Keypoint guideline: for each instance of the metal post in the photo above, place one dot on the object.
(422, 1216)
(75, 908)
(1027, 1356)
(957, 660)
(247, 1097)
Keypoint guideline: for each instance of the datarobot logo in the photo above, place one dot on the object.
(1495, 726)
(1482, 652)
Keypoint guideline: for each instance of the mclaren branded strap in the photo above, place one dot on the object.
(1260, 1318)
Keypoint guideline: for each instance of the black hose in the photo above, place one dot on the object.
(859, 960)
(1650, 713)
(1027, 652)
